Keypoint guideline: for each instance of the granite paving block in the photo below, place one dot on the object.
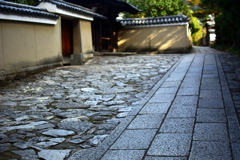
(171, 84)
(170, 144)
(210, 103)
(195, 69)
(210, 75)
(210, 132)
(163, 90)
(236, 149)
(193, 80)
(175, 77)
(167, 97)
(134, 139)
(191, 74)
(182, 111)
(177, 125)
(186, 100)
(147, 121)
(188, 91)
(210, 80)
(155, 108)
(164, 158)
(210, 150)
(123, 155)
(210, 94)
(210, 86)
(189, 84)
(210, 115)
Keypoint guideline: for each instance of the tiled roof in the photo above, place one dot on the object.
(74, 8)
(154, 20)
(25, 10)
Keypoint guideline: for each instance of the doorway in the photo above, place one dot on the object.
(67, 38)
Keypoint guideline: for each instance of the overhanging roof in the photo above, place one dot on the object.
(21, 12)
(69, 9)
(107, 7)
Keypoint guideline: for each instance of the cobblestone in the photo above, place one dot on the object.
(52, 114)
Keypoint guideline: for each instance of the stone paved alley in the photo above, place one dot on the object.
(74, 107)
(74, 112)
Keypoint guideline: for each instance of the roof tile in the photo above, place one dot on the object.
(153, 20)
(25, 10)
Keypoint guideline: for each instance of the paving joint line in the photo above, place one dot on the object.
(195, 118)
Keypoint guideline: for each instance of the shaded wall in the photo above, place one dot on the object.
(24, 45)
(159, 38)
(86, 39)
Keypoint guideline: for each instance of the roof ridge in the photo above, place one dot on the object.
(154, 20)
(160, 17)
(26, 10)
(19, 5)
(74, 7)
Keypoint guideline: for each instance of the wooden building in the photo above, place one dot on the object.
(37, 37)
(105, 31)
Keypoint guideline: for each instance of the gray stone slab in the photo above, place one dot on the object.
(123, 155)
(209, 86)
(210, 132)
(171, 84)
(210, 75)
(170, 144)
(192, 80)
(211, 115)
(210, 150)
(210, 103)
(146, 121)
(235, 149)
(167, 97)
(54, 154)
(195, 69)
(210, 94)
(134, 139)
(186, 100)
(189, 84)
(83, 153)
(174, 77)
(210, 80)
(163, 90)
(182, 111)
(155, 108)
(177, 125)
(164, 158)
(188, 91)
(191, 74)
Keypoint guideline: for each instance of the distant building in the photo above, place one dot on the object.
(157, 34)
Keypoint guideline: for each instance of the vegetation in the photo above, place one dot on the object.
(28, 2)
(197, 31)
(227, 20)
(155, 8)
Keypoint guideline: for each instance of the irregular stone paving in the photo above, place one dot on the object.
(55, 113)
(231, 67)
